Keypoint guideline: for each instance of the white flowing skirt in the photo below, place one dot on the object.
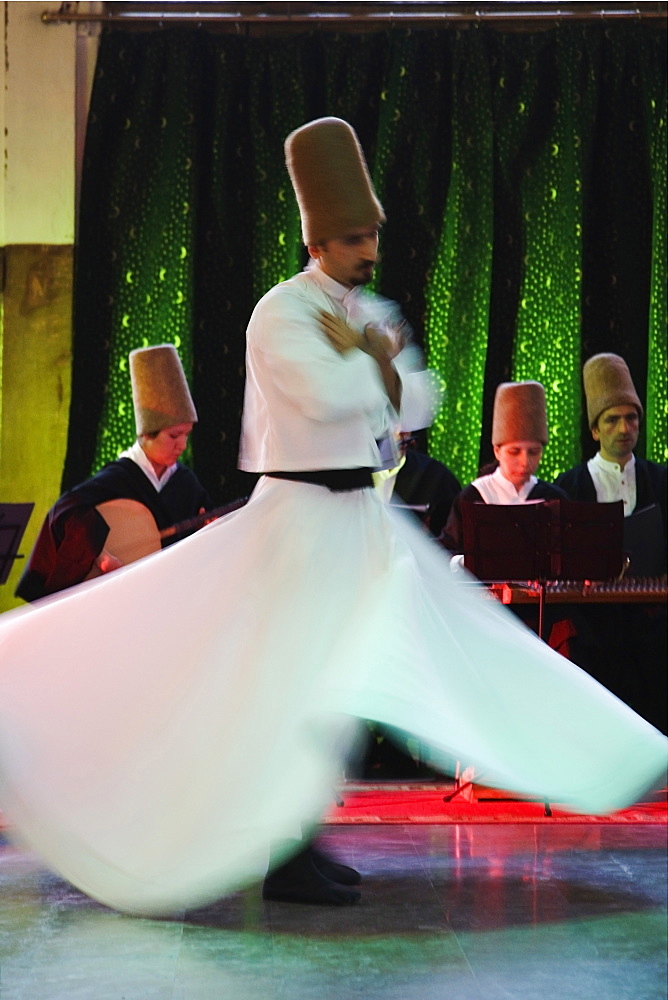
(161, 726)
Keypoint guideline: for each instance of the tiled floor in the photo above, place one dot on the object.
(491, 912)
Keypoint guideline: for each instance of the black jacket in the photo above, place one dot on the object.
(651, 486)
(426, 481)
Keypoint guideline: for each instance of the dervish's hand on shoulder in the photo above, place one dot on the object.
(379, 344)
(341, 336)
(374, 342)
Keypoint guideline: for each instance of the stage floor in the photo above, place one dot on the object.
(492, 911)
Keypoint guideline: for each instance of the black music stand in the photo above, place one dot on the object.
(537, 542)
(644, 542)
(503, 543)
(591, 540)
(14, 518)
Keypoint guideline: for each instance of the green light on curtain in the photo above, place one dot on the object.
(153, 307)
(276, 223)
(547, 338)
(151, 233)
(656, 410)
(458, 295)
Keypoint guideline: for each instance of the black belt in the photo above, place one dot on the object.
(336, 480)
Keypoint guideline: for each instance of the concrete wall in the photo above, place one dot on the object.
(45, 75)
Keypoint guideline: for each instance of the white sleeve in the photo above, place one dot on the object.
(421, 390)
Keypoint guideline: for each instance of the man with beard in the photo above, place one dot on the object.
(329, 374)
(614, 413)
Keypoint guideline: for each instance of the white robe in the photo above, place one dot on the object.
(161, 726)
(307, 407)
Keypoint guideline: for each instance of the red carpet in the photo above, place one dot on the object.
(396, 802)
(401, 802)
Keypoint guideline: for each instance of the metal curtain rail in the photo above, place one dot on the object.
(392, 11)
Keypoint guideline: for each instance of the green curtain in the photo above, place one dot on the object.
(654, 108)
(523, 175)
(458, 294)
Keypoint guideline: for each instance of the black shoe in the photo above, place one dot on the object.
(298, 880)
(334, 870)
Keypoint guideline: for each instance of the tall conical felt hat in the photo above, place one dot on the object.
(160, 393)
(331, 180)
(520, 413)
(607, 382)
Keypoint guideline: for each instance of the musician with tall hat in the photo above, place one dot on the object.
(519, 435)
(627, 642)
(614, 415)
(117, 515)
(266, 636)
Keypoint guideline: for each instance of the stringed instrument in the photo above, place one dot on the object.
(134, 534)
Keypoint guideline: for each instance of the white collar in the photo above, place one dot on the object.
(507, 486)
(332, 287)
(495, 488)
(137, 454)
(613, 467)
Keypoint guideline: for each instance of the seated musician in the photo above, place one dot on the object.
(628, 641)
(614, 413)
(519, 434)
(75, 542)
